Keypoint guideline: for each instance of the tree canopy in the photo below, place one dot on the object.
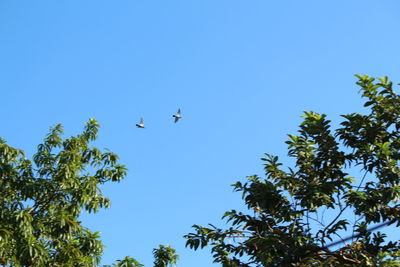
(41, 200)
(164, 256)
(286, 224)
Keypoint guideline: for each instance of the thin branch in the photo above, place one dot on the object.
(354, 225)
(323, 215)
(316, 220)
(341, 210)
(357, 235)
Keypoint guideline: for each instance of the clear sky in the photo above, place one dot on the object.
(241, 71)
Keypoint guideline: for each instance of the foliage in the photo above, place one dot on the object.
(164, 256)
(41, 200)
(128, 262)
(287, 226)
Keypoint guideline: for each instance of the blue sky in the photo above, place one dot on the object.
(241, 71)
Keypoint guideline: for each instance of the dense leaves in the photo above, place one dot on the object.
(287, 225)
(41, 200)
(127, 262)
(165, 256)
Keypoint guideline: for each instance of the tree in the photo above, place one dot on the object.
(286, 224)
(165, 256)
(128, 262)
(41, 200)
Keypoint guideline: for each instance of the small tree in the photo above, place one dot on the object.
(41, 200)
(287, 226)
(127, 262)
(165, 256)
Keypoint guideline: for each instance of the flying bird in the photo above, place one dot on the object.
(177, 116)
(140, 124)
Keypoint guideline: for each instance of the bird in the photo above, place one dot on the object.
(177, 116)
(140, 124)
